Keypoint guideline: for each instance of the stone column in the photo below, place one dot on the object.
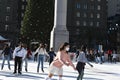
(59, 33)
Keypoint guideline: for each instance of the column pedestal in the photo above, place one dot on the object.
(58, 37)
(59, 33)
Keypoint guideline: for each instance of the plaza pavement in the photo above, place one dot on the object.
(106, 71)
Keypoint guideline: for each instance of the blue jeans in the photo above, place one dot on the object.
(40, 60)
(26, 63)
(99, 60)
(6, 57)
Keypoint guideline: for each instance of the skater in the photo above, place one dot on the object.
(114, 56)
(52, 55)
(98, 54)
(19, 55)
(109, 52)
(35, 55)
(62, 58)
(81, 62)
(28, 56)
(41, 54)
(6, 56)
(103, 56)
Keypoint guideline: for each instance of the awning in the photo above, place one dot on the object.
(2, 39)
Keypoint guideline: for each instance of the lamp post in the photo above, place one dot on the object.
(118, 38)
(112, 36)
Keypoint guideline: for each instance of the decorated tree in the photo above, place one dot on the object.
(38, 21)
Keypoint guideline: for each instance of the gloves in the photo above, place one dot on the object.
(91, 65)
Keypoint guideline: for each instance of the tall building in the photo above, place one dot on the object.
(113, 7)
(87, 22)
(114, 23)
(22, 7)
(11, 15)
(8, 19)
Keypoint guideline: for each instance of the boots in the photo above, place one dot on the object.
(26, 69)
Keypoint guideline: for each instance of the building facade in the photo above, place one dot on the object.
(113, 7)
(11, 15)
(87, 22)
(114, 23)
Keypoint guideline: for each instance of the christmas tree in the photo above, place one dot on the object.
(38, 21)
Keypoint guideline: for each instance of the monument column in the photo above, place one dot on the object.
(59, 33)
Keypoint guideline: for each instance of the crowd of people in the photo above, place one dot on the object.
(100, 56)
(56, 60)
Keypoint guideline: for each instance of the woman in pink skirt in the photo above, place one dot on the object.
(62, 58)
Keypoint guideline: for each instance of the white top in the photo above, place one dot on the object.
(114, 55)
(82, 58)
(20, 52)
(41, 51)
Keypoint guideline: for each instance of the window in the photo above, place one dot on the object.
(23, 0)
(6, 27)
(78, 14)
(85, 6)
(77, 23)
(84, 15)
(118, 5)
(98, 24)
(22, 14)
(118, 10)
(98, 15)
(91, 15)
(98, 7)
(84, 23)
(8, 9)
(7, 18)
(91, 23)
(92, 7)
(77, 31)
(99, 0)
(78, 5)
(23, 7)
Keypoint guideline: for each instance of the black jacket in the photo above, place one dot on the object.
(6, 51)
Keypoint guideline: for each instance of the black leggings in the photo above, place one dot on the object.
(80, 67)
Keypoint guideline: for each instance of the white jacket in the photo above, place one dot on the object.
(41, 51)
(20, 52)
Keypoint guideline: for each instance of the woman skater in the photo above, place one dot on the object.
(81, 61)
